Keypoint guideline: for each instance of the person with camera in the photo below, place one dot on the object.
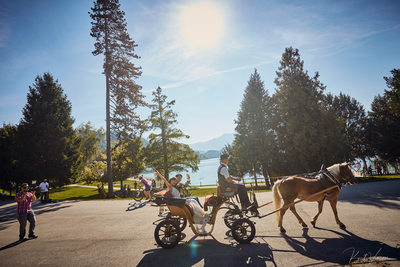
(25, 213)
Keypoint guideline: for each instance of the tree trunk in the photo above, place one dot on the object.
(365, 165)
(164, 144)
(108, 134)
(255, 175)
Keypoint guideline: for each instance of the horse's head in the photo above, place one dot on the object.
(342, 172)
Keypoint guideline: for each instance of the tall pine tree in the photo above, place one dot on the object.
(308, 134)
(252, 140)
(384, 122)
(49, 140)
(164, 153)
(123, 95)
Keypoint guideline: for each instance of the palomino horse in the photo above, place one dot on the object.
(307, 189)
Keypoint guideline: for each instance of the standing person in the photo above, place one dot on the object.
(135, 184)
(44, 191)
(129, 190)
(153, 183)
(147, 187)
(378, 170)
(25, 213)
(225, 180)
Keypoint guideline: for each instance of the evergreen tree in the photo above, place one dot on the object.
(49, 140)
(354, 115)
(384, 122)
(123, 95)
(252, 141)
(163, 152)
(307, 133)
(9, 156)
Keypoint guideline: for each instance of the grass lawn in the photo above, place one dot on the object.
(377, 178)
(74, 193)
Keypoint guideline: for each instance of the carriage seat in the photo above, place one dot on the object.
(174, 204)
(225, 191)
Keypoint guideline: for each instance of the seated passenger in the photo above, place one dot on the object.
(200, 216)
(180, 186)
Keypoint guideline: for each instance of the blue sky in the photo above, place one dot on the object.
(352, 44)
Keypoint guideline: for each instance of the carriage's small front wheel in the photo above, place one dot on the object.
(167, 234)
(231, 216)
(243, 230)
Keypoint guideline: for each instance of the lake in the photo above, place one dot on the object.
(206, 175)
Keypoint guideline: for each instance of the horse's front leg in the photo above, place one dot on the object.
(320, 206)
(333, 203)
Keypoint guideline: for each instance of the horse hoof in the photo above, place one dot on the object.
(342, 226)
(313, 224)
(304, 225)
(283, 230)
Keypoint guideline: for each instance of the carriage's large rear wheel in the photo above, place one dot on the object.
(243, 230)
(167, 234)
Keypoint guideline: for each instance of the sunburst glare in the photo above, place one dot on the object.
(201, 25)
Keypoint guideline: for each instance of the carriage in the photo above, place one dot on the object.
(169, 229)
(324, 185)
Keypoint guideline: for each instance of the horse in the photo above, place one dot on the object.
(307, 189)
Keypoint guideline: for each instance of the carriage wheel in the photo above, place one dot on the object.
(243, 231)
(137, 195)
(182, 222)
(167, 234)
(231, 216)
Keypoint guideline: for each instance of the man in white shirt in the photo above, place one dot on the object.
(44, 191)
(226, 180)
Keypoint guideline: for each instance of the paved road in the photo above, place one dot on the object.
(120, 233)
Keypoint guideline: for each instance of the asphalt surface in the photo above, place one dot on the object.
(121, 233)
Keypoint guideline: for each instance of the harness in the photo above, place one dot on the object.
(324, 171)
(320, 174)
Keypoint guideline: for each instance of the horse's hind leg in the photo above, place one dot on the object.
(293, 209)
(333, 203)
(320, 205)
(281, 213)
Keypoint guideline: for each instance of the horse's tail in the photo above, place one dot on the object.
(277, 198)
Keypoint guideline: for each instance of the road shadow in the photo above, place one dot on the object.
(8, 215)
(14, 244)
(343, 249)
(136, 205)
(211, 253)
(371, 194)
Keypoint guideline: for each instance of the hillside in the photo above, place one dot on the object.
(213, 144)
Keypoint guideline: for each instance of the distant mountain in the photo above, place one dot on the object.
(214, 144)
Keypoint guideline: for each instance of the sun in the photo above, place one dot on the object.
(201, 25)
